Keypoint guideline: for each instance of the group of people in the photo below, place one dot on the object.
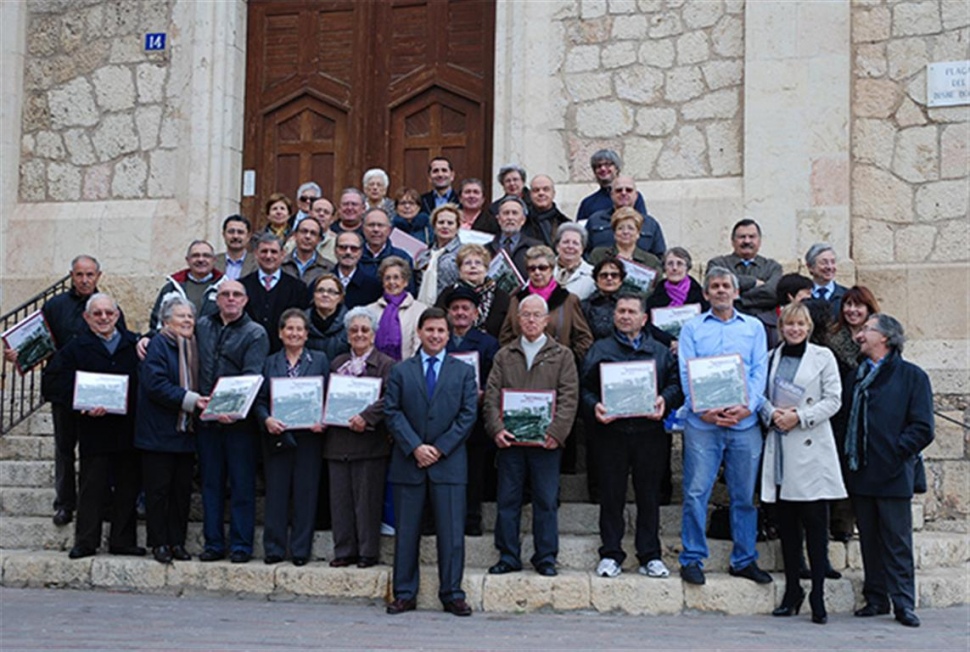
(832, 412)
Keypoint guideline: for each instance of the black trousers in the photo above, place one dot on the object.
(886, 539)
(292, 481)
(65, 443)
(168, 492)
(95, 491)
(644, 455)
(791, 517)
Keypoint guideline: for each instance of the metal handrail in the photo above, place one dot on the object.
(20, 394)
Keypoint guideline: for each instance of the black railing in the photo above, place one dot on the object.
(20, 394)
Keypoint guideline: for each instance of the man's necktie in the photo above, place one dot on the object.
(507, 245)
(431, 377)
(821, 293)
(268, 283)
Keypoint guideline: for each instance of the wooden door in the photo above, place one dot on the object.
(334, 87)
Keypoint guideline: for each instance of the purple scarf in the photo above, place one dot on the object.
(388, 338)
(678, 291)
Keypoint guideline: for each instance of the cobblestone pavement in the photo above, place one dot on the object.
(43, 619)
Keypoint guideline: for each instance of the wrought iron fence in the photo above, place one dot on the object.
(20, 393)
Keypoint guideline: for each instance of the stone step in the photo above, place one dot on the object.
(513, 593)
(576, 551)
(27, 447)
(26, 473)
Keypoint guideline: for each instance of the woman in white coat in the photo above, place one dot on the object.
(800, 468)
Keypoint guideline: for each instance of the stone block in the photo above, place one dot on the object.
(925, 319)
(870, 60)
(914, 243)
(954, 151)
(878, 195)
(97, 182)
(727, 37)
(63, 182)
(526, 592)
(693, 47)
(471, 584)
(942, 200)
(916, 91)
(127, 49)
(650, 6)
(26, 473)
(114, 88)
(622, 6)
(319, 580)
(724, 148)
(870, 25)
(150, 82)
(592, 9)
(41, 423)
(640, 154)
(838, 555)
(26, 501)
(121, 19)
(942, 587)
(698, 15)
(956, 488)
(683, 83)
(45, 569)
(656, 121)
(683, 155)
(955, 14)
(664, 24)
(918, 515)
(722, 104)
(72, 105)
(906, 57)
(222, 577)
(130, 174)
(873, 142)
(587, 32)
(586, 86)
(909, 114)
(161, 174)
(33, 180)
(916, 18)
(630, 27)
(49, 144)
(875, 98)
(582, 58)
(657, 53)
(19, 447)
(729, 595)
(640, 84)
(637, 595)
(618, 54)
(604, 119)
(115, 136)
(916, 157)
(79, 147)
(130, 573)
(718, 74)
(941, 549)
(148, 120)
(951, 439)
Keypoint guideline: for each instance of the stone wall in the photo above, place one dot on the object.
(98, 120)
(658, 80)
(910, 195)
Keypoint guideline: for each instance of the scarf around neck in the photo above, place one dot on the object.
(545, 292)
(857, 430)
(388, 339)
(677, 291)
(188, 357)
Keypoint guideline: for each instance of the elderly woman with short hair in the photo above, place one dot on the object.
(438, 262)
(375, 183)
(357, 454)
(677, 289)
(493, 306)
(626, 224)
(397, 311)
(571, 271)
(513, 179)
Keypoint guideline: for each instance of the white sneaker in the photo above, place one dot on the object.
(608, 568)
(387, 530)
(655, 568)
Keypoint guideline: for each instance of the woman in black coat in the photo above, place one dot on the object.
(168, 398)
(608, 274)
(291, 458)
(326, 317)
(105, 440)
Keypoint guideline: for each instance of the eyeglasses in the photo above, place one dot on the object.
(330, 291)
(308, 197)
(346, 247)
(672, 262)
(608, 275)
(539, 268)
(407, 202)
(624, 189)
(532, 315)
(103, 313)
(232, 295)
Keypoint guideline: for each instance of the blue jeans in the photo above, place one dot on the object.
(228, 452)
(540, 467)
(704, 450)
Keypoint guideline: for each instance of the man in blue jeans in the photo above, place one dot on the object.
(730, 435)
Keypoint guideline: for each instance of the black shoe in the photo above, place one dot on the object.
(179, 553)
(299, 561)
(62, 517)
(239, 556)
(751, 572)
(212, 555)
(162, 554)
(367, 562)
(790, 607)
(547, 570)
(80, 552)
(399, 606)
(692, 574)
(473, 529)
(819, 619)
(501, 568)
(128, 551)
(907, 617)
(842, 537)
(342, 562)
(458, 607)
(271, 559)
(832, 574)
(871, 610)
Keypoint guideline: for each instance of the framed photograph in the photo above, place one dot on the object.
(109, 391)
(297, 402)
(639, 278)
(469, 358)
(505, 274)
(670, 320)
(232, 396)
(717, 382)
(629, 389)
(407, 242)
(471, 236)
(348, 396)
(32, 340)
(527, 414)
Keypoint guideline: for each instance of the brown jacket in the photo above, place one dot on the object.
(554, 368)
(567, 325)
(343, 444)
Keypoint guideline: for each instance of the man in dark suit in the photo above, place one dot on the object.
(378, 247)
(430, 405)
(511, 219)
(462, 302)
(270, 291)
(441, 175)
(360, 289)
(235, 262)
(820, 260)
